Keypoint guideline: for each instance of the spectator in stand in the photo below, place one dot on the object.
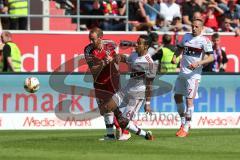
(135, 13)
(160, 25)
(180, 2)
(211, 16)
(188, 8)
(151, 9)
(1, 55)
(223, 5)
(143, 12)
(220, 58)
(110, 7)
(138, 19)
(86, 8)
(68, 5)
(145, 22)
(233, 13)
(226, 26)
(15, 8)
(169, 9)
(3, 10)
(96, 10)
(177, 26)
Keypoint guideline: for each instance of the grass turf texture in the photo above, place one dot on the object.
(205, 144)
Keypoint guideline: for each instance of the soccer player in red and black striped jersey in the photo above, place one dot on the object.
(99, 56)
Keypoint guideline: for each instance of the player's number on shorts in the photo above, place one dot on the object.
(129, 114)
(189, 91)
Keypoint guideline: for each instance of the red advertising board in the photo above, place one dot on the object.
(44, 52)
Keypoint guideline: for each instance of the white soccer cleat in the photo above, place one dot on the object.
(125, 137)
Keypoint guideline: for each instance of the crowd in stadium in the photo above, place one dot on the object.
(160, 15)
(154, 15)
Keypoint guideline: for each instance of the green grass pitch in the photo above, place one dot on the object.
(202, 144)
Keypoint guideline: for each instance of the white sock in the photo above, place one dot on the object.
(183, 120)
(135, 129)
(186, 126)
(180, 109)
(108, 118)
(188, 118)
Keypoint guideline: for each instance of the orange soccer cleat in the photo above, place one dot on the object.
(183, 134)
(180, 130)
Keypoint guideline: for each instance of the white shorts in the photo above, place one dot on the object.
(187, 87)
(128, 106)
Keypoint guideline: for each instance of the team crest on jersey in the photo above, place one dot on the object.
(193, 52)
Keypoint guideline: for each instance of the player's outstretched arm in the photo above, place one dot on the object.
(120, 58)
(207, 60)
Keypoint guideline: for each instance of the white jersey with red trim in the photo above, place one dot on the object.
(194, 50)
(140, 67)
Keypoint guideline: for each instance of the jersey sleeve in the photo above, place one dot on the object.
(129, 58)
(151, 68)
(207, 46)
(181, 43)
(89, 57)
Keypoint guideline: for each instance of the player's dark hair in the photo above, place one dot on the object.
(215, 36)
(147, 39)
(154, 36)
(166, 39)
(98, 31)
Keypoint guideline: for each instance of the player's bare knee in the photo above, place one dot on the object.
(189, 102)
(103, 109)
(102, 112)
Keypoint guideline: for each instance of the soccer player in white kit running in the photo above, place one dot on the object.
(196, 51)
(137, 90)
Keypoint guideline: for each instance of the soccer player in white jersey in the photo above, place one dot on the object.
(193, 47)
(137, 90)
